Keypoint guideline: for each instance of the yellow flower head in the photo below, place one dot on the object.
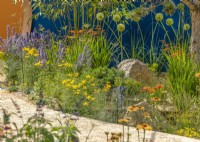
(38, 64)
(88, 76)
(68, 65)
(76, 74)
(85, 104)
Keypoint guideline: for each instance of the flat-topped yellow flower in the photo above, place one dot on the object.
(85, 103)
(38, 64)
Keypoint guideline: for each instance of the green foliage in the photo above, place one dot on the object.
(102, 52)
(181, 76)
(104, 75)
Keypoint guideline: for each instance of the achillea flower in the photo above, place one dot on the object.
(64, 82)
(76, 74)
(33, 52)
(92, 99)
(88, 76)
(38, 64)
(85, 103)
(88, 97)
(83, 82)
(107, 87)
(69, 75)
(68, 65)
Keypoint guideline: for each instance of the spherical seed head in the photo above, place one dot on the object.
(159, 17)
(100, 16)
(186, 27)
(180, 7)
(169, 22)
(116, 17)
(120, 27)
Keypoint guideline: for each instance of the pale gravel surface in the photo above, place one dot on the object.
(83, 124)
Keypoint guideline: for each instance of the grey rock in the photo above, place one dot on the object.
(137, 70)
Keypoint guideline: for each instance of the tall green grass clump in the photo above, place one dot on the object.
(181, 76)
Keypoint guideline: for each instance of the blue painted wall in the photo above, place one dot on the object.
(145, 24)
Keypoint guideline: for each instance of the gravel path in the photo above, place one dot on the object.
(84, 124)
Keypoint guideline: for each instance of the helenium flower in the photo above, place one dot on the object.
(169, 22)
(159, 17)
(120, 27)
(100, 16)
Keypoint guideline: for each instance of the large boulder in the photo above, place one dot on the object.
(137, 70)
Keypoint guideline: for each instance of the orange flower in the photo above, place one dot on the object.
(146, 88)
(144, 127)
(159, 86)
(155, 99)
(123, 120)
(140, 107)
(138, 127)
(146, 115)
(197, 75)
(132, 108)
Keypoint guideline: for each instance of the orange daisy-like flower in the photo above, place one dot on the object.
(132, 108)
(144, 127)
(151, 91)
(140, 107)
(123, 120)
(197, 75)
(146, 115)
(159, 86)
(138, 127)
(146, 88)
(147, 127)
(155, 99)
